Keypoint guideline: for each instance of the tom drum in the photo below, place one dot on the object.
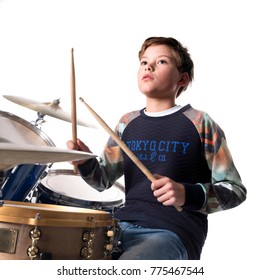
(64, 187)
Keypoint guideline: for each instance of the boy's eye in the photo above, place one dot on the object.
(143, 62)
(161, 61)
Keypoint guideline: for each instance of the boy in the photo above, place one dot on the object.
(185, 150)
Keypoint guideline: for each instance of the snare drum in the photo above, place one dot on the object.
(19, 181)
(41, 231)
(64, 187)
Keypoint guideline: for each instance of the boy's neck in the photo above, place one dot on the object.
(159, 105)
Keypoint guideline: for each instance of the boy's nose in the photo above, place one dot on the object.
(148, 67)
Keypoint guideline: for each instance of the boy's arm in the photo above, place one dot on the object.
(225, 190)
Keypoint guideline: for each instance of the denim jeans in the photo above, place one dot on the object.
(139, 243)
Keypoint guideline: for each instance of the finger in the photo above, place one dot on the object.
(82, 146)
(169, 202)
(159, 182)
(71, 145)
(161, 187)
(158, 192)
(166, 196)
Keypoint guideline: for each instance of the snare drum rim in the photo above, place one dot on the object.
(36, 130)
(52, 215)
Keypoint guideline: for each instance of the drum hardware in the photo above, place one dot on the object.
(40, 117)
(112, 242)
(91, 219)
(88, 235)
(39, 121)
(109, 246)
(35, 235)
(73, 105)
(2, 177)
(86, 252)
(33, 250)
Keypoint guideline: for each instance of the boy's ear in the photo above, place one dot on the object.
(184, 80)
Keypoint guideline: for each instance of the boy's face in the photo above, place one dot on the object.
(158, 76)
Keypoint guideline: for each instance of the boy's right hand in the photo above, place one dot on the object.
(78, 146)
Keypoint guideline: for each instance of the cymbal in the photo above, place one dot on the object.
(52, 109)
(12, 154)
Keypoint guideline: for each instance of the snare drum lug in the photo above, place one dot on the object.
(35, 234)
(88, 235)
(32, 252)
(86, 253)
(109, 242)
(110, 233)
(109, 247)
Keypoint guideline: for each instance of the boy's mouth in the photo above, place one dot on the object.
(147, 77)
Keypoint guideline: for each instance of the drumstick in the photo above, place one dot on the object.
(73, 105)
(123, 146)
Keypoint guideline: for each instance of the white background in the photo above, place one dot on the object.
(36, 38)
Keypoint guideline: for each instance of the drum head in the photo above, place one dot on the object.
(64, 187)
(16, 130)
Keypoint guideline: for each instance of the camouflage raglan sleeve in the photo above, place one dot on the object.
(225, 190)
(102, 174)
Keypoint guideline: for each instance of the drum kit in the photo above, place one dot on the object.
(45, 213)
